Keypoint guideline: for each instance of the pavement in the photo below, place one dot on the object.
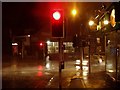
(92, 80)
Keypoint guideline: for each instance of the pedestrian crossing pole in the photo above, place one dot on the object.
(60, 63)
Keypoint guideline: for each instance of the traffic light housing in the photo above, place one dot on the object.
(76, 41)
(57, 23)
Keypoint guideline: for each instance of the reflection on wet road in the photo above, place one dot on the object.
(42, 75)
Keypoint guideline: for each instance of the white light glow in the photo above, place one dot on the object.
(84, 62)
(108, 42)
(48, 65)
(77, 61)
(15, 44)
(85, 78)
(85, 73)
(91, 22)
(56, 15)
(106, 22)
(28, 35)
(48, 42)
(74, 12)
(100, 60)
(85, 68)
(77, 67)
(110, 71)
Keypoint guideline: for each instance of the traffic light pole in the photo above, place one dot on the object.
(61, 59)
(58, 32)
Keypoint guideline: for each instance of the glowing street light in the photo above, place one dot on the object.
(106, 22)
(74, 12)
(48, 42)
(14, 44)
(91, 22)
(28, 35)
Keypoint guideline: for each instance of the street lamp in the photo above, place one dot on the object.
(80, 50)
(28, 35)
(106, 22)
(91, 22)
(74, 12)
(48, 42)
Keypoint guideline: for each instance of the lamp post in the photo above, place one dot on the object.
(90, 23)
(81, 50)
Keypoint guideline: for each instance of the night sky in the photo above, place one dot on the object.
(19, 16)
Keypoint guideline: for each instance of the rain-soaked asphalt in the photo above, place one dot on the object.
(45, 75)
(35, 76)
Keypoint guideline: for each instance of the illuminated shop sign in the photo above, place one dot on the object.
(112, 18)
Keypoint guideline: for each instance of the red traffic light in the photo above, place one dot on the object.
(41, 44)
(56, 15)
(57, 23)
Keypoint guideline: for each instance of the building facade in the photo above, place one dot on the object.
(109, 33)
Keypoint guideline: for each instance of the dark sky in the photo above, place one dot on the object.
(18, 16)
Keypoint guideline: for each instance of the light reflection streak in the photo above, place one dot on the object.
(85, 78)
(110, 70)
(77, 67)
(77, 61)
(85, 73)
(85, 63)
(100, 60)
(40, 67)
(85, 67)
(39, 74)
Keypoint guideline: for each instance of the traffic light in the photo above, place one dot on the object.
(57, 23)
(41, 44)
(76, 41)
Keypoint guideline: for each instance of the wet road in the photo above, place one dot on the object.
(27, 77)
(35, 76)
(45, 75)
